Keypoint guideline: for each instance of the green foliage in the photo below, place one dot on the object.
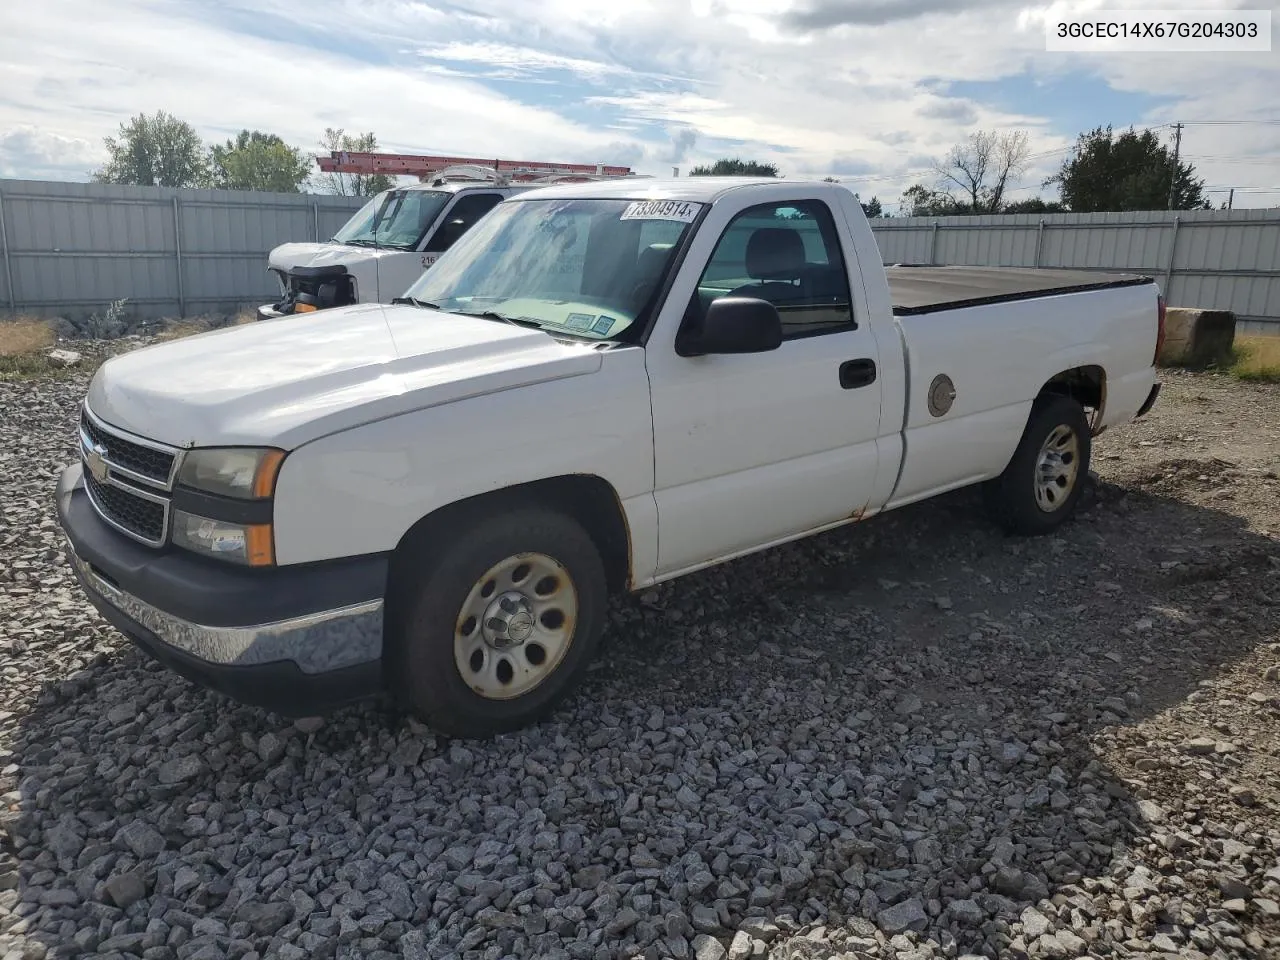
(734, 167)
(352, 184)
(258, 161)
(1129, 171)
(155, 151)
(920, 201)
(1256, 359)
(1034, 205)
(871, 208)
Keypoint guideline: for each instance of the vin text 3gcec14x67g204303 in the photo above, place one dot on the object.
(597, 388)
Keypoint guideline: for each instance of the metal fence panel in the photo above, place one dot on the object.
(1222, 259)
(73, 248)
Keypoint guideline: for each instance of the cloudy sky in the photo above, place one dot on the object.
(869, 90)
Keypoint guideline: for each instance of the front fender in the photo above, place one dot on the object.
(359, 491)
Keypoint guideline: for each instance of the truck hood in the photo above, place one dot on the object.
(289, 255)
(295, 379)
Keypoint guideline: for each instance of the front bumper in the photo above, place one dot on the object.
(297, 640)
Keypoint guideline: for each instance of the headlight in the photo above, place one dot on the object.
(248, 544)
(247, 473)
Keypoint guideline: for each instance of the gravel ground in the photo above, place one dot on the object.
(912, 738)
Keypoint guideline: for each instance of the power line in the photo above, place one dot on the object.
(1214, 123)
(909, 175)
(1242, 189)
(1204, 159)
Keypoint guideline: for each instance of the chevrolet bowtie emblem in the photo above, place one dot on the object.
(95, 460)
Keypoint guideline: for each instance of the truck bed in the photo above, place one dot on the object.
(925, 289)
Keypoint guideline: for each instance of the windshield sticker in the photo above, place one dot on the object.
(680, 210)
(580, 321)
(602, 325)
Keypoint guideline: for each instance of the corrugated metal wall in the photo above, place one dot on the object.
(72, 248)
(1225, 259)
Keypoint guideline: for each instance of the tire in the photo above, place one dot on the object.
(448, 638)
(1058, 431)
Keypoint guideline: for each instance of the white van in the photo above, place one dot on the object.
(383, 248)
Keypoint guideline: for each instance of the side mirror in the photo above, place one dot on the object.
(734, 325)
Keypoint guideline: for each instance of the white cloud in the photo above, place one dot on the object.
(813, 85)
(31, 153)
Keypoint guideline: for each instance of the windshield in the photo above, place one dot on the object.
(397, 219)
(585, 267)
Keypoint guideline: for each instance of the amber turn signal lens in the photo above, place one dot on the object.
(264, 483)
(304, 308)
(259, 545)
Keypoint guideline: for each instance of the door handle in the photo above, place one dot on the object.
(857, 373)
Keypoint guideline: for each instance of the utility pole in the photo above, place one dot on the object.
(1231, 196)
(1173, 173)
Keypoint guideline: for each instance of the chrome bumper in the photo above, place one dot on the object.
(317, 643)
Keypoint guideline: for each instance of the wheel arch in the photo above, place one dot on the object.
(587, 498)
(1087, 385)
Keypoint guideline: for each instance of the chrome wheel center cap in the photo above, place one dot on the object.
(508, 621)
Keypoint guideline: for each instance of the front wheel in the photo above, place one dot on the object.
(1041, 486)
(499, 617)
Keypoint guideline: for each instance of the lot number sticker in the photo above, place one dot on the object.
(680, 210)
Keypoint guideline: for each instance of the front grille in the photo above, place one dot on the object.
(144, 519)
(152, 464)
(127, 480)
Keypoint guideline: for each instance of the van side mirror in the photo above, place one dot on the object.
(733, 325)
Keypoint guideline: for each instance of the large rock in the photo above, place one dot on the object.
(1197, 338)
(908, 915)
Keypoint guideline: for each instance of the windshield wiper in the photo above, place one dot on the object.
(416, 302)
(359, 243)
(495, 315)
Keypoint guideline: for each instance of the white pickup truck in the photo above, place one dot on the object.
(382, 249)
(598, 388)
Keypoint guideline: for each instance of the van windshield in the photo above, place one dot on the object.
(397, 219)
(588, 268)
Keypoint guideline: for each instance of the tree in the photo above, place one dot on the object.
(871, 208)
(352, 184)
(1033, 205)
(920, 201)
(1130, 171)
(983, 167)
(156, 151)
(735, 168)
(258, 161)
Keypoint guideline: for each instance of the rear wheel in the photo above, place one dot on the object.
(1041, 486)
(497, 620)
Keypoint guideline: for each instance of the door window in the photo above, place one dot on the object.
(460, 218)
(788, 254)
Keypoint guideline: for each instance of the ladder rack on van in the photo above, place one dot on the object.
(443, 169)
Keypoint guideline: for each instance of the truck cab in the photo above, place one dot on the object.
(382, 249)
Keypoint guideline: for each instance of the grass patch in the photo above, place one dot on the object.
(180, 330)
(22, 336)
(24, 345)
(189, 328)
(1256, 359)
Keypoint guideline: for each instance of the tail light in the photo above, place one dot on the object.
(1160, 308)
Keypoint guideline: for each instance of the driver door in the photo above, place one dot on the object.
(752, 449)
